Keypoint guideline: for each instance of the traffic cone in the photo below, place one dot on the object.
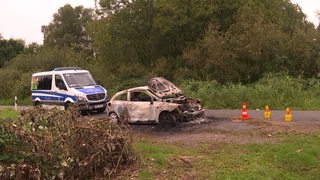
(244, 111)
(267, 113)
(288, 116)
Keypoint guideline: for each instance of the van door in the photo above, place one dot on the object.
(60, 90)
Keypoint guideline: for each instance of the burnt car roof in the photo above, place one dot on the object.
(162, 87)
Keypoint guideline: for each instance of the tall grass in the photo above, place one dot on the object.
(275, 90)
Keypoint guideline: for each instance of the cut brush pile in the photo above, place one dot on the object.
(65, 145)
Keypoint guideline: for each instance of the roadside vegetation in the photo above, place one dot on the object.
(278, 91)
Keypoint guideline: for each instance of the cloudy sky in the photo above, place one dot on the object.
(22, 19)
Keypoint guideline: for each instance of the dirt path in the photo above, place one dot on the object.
(227, 126)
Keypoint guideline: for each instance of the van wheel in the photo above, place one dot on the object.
(67, 105)
(37, 104)
(166, 119)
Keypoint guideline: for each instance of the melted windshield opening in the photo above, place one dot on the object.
(79, 79)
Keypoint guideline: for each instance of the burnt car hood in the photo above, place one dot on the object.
(163, 88)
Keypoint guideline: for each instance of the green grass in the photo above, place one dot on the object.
(20, 102)
(8, 113)
(298, 157)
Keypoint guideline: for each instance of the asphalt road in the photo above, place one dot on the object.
(276, 115)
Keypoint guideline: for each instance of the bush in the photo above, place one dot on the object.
(65, 145)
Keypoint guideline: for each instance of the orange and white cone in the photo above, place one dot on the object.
(244, 111)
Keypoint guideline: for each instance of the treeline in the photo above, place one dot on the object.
(234, 41)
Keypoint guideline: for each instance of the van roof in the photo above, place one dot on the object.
(61, 70)
(66, 68)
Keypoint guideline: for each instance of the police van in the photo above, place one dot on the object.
(64, 86)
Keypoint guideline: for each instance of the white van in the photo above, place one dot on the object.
(68, 85)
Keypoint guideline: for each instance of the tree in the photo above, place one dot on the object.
(69, 28)
(10, 49)
(145, 34)
(258, 41)
(303, 53)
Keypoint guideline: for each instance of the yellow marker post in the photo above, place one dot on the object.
(288, 116)
(267, 113)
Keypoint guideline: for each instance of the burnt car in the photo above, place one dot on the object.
(158, 102)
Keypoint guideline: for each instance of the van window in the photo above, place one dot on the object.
(44, 82)
(79, 79)
(59, 82)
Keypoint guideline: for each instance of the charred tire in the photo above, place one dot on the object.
(166, 119)
(114, 117)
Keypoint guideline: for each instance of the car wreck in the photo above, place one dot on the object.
(159, 102)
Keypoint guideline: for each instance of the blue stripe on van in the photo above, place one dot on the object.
(48, 95)
(93, 90)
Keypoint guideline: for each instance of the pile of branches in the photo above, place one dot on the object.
(18, 171)
(66, 145)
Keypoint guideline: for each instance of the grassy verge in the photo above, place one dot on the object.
(296, 158)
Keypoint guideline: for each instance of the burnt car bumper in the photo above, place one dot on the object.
(186, 116)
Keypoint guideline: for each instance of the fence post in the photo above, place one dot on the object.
(15, 103)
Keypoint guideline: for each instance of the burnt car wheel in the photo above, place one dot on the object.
(166, 119)
(114, 117)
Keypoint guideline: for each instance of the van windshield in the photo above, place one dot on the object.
(79, 79)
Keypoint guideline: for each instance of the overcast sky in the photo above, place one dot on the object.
(22, 19)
